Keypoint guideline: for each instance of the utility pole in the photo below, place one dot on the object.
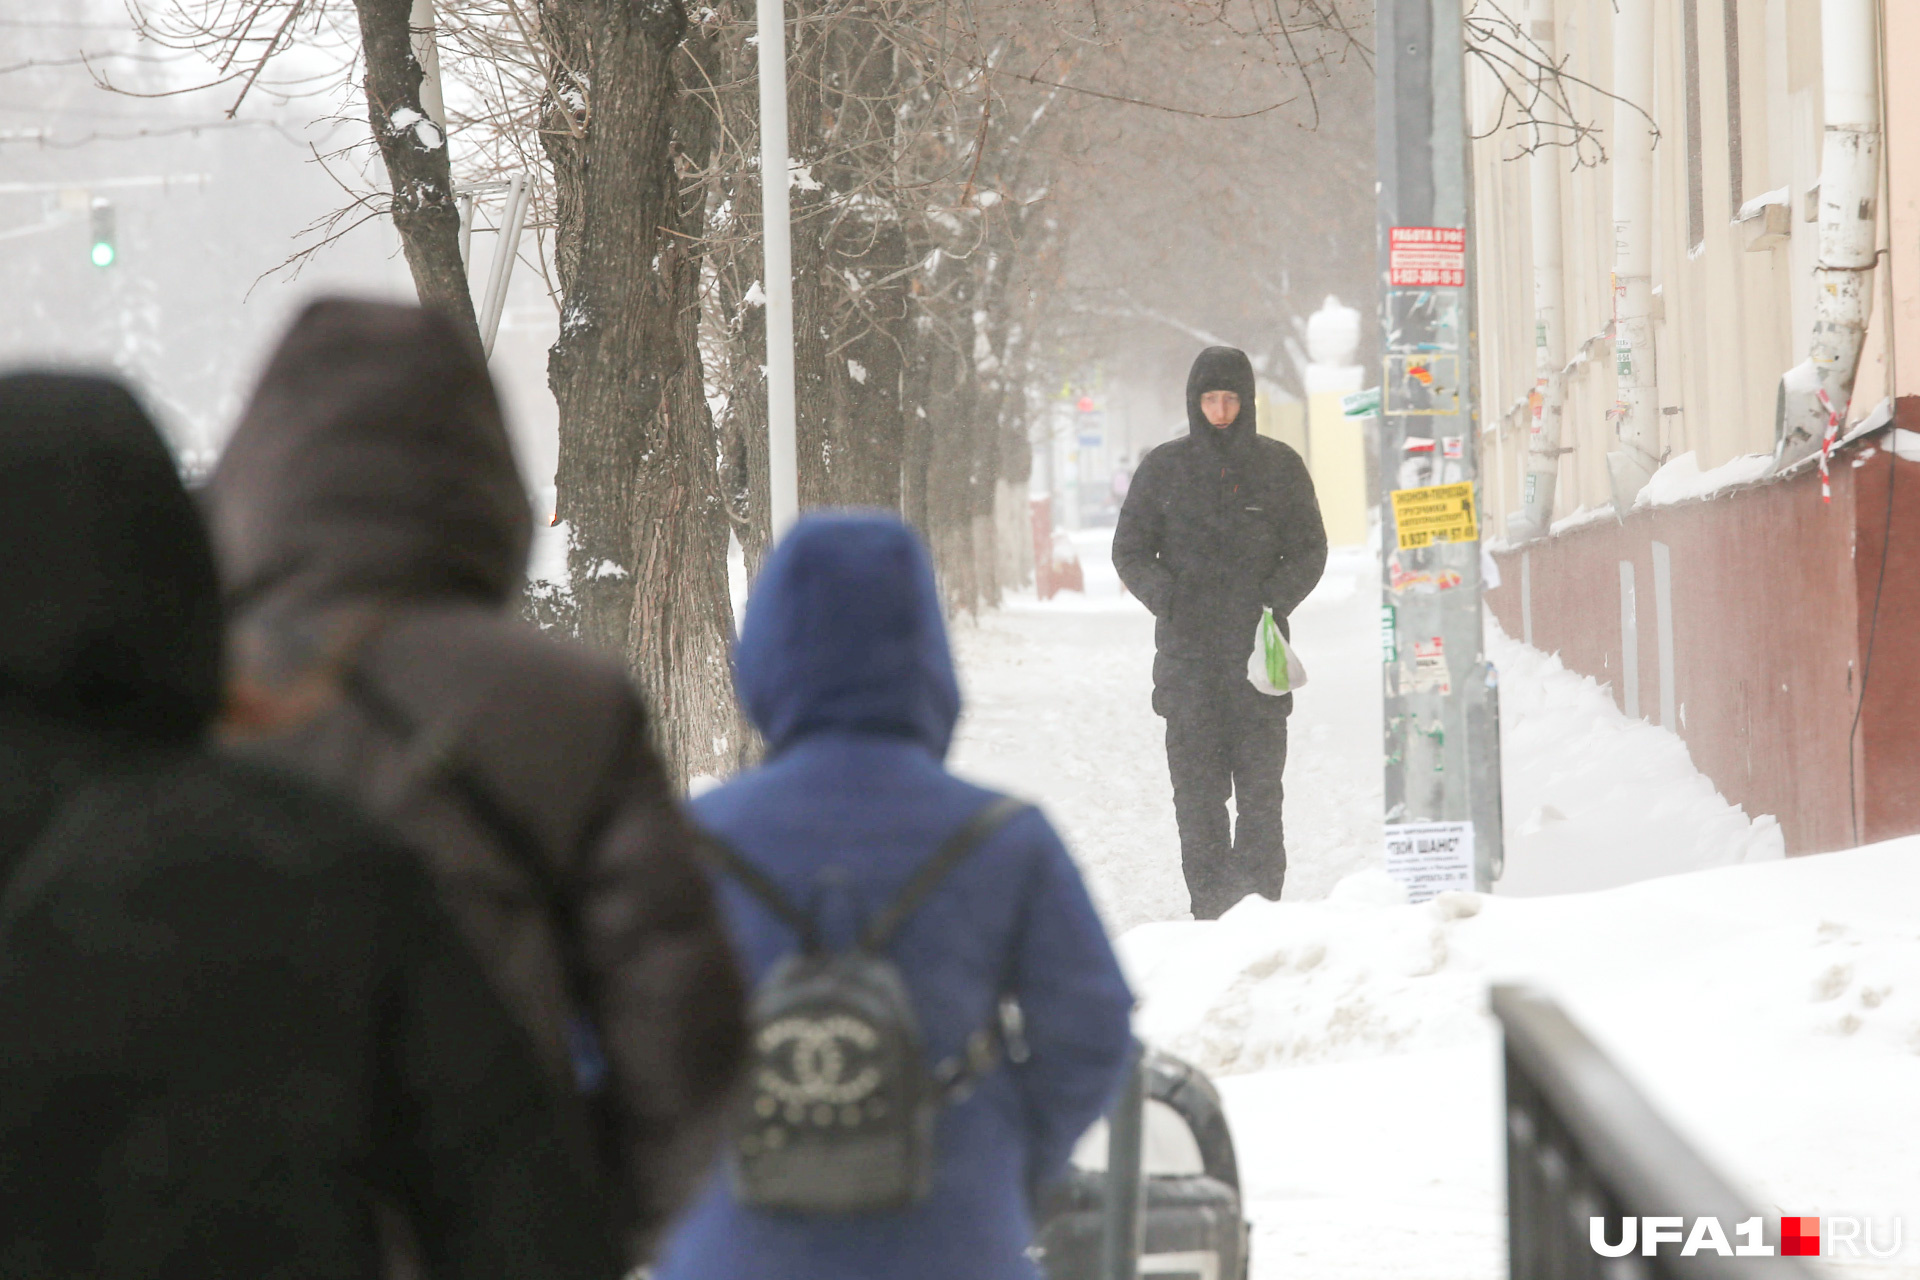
(1443, 827)
(783, 451)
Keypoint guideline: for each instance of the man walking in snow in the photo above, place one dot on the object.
(1217, 526)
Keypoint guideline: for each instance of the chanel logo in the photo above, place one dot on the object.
(817, 1063)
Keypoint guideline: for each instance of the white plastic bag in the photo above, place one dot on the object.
(1273, 668)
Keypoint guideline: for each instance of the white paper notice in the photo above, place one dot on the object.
(1430, 857)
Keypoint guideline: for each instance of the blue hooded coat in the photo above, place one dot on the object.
(844, 667)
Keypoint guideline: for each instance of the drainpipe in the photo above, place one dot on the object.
(1637, 413)
(1814, 394)
(1549, 320)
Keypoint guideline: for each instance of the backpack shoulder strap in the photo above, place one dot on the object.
(959, 846)
(437, 758)
(727, 860)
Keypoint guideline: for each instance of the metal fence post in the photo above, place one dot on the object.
(1123, 1232)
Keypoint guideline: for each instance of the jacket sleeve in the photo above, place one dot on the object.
(1303, 542)
(1076, 1012)
(1137, 540)
(670, 1001)
(492, 1177)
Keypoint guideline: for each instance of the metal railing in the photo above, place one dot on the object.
(1584, 1143)
(1124, 1227)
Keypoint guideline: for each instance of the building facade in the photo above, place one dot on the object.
(1765, 613)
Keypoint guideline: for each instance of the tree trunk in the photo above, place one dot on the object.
(816, 378)
(414, 149)
(952, 452)
(739, 266)
(868, 250)
(636, 477)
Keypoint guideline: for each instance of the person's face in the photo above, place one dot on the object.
(1221, 407)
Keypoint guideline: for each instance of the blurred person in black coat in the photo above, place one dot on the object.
(241, 1037)
(371, 530)
(1218, 525)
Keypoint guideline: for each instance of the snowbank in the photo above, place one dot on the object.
(1594, 799)
(1772, 1011)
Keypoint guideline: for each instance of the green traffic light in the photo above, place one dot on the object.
(102, 254)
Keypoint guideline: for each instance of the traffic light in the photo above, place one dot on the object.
(102, 253)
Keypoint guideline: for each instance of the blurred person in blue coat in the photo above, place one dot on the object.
(844, 667)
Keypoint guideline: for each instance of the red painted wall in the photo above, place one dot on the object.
(1772, 607)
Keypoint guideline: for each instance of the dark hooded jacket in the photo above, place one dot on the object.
(843, 665)
(372, 533)
(1217, 525)
(238, 1026)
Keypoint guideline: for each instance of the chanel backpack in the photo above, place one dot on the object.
(840, 1103)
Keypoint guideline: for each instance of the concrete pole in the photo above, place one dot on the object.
(783, 452)
(426, 52)
(1549, 316)
(1637, 370)
(1442, 766)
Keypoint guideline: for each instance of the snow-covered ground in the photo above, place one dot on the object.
(1771, 1008)
(1772, 1012)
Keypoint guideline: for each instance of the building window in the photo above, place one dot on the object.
(1696, 181)
(1736, 175)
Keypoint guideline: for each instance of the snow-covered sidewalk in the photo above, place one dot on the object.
(1771, 1008)
(1058, 709)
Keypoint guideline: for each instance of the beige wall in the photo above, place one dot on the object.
(1731, 320)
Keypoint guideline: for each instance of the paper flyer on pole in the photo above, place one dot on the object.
(1430, 858)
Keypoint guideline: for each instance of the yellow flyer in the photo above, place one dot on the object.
(1438, 513)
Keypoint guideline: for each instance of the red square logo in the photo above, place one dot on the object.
(1800, 1237)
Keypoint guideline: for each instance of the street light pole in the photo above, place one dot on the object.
(783, 454)
(1443, 820)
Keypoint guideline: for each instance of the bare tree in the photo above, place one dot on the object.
(414, 149)
(963, 170)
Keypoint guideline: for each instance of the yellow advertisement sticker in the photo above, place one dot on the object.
(1438, 513)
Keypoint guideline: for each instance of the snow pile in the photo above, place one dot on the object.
(1772, 1012)
(1594, 799)
(1682, 480)
(1282, 984)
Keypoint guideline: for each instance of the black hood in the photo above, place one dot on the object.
(111, 606)
(1221, 369)
(372, 463)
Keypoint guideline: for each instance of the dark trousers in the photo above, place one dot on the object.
(1225, 738)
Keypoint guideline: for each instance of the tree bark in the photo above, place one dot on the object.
(952, 451)
(414, 150)
(637, 478)
(817, 382)
(867, 247)
(739, 265)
